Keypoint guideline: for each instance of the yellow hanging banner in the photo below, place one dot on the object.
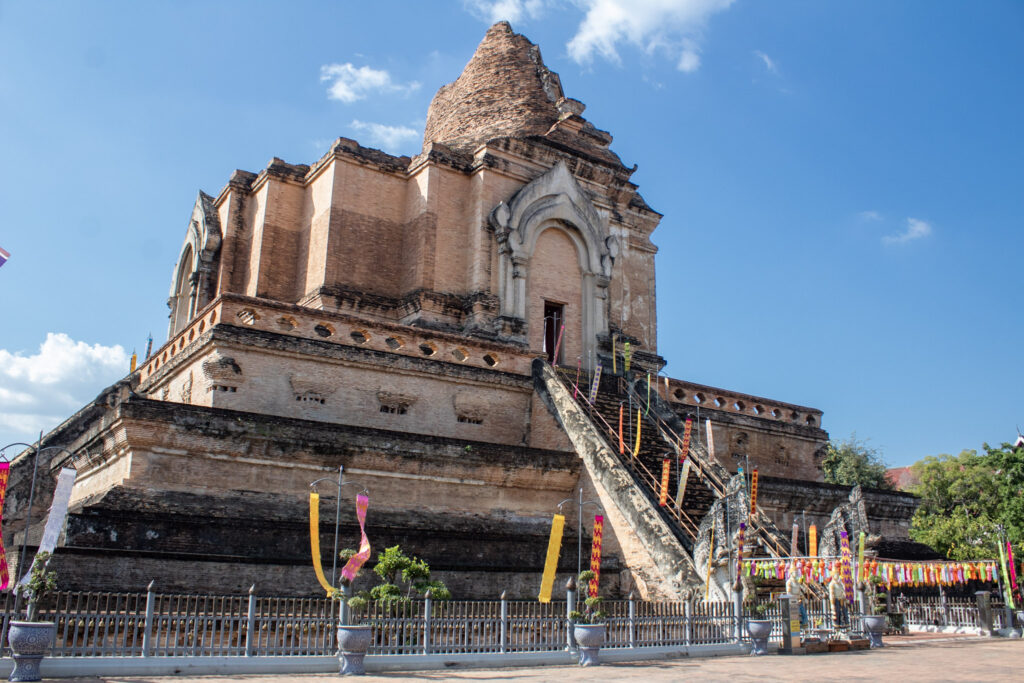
(615, 369)
(314, 541)
(547, 582)
(812, 537)
(636, 448)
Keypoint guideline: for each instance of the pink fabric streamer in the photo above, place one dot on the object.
(356, 562)
(1013, 568)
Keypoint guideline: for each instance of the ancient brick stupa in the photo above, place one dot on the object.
(398, 317)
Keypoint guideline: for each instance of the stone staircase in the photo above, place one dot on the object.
(646, 465)
(660, 439)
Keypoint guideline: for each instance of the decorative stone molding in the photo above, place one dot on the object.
(311, 390)
(222, 373)
(393, 402)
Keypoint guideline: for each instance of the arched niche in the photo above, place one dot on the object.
(554, 200)
(194, 282)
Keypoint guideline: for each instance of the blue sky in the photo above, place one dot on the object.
(841, 182)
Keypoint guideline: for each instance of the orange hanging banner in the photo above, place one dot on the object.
(595, 554)
(812, 536)
(753, 491)
(684, 450)
(666, 470)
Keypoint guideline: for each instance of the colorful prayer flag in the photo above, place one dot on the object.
(845, 559)
(597, 382)
(547, 581)
(684, 450)
(356, 562)
(753, 492)
(595, 554)
(666, 471)
(4, 255)
(5, 579)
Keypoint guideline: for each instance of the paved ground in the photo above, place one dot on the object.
(955, 659)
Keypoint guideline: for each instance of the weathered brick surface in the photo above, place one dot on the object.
(373, 311)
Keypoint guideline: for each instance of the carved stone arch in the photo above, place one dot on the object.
(194, 282)
(554, 199)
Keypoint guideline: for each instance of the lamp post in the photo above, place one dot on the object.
(337, 513)
(579, 526)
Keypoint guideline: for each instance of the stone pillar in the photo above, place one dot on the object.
(984, 612)
(786, 607)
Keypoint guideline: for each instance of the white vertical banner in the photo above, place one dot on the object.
(711, 441)
(58, 514)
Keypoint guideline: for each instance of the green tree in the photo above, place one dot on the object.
(395, 568)
(966, 498)
(851, 462)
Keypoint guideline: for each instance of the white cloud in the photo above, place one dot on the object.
(769, 63)
(674, 26)
(916, 229)
(349, 83)
(509, 10)
(872, 216)
(41, 390)
(388, 137)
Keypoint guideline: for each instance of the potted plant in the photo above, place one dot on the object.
(759, 629)
(874, 625)
(353, 638)
(30, 639)
(588, 626)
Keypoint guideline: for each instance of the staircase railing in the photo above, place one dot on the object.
(639, 470)
(762, 526)
(758, 521)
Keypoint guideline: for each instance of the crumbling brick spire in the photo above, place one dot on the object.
(504, 91)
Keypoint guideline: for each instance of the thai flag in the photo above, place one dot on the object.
(4, 255)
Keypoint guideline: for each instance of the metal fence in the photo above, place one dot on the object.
(158, 625)
(941, 612)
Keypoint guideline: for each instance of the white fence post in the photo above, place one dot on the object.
(570, 605)
(147, 628)
(427, 601)
(737, 613)
(504, 622)
(632, 620)
(250, 623)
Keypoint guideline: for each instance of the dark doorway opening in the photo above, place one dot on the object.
(554, 318)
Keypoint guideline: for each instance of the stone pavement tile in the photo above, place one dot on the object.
(952, 660)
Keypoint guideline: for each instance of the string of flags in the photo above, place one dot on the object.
(891, 572)
(4, 255)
